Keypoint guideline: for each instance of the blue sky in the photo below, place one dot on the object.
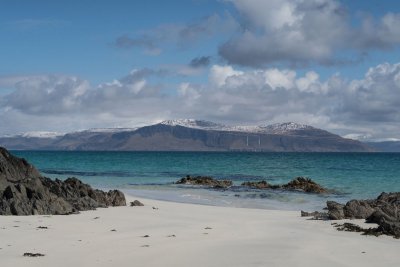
(312, 61)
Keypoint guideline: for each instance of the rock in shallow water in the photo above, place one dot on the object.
(24, 192)
(205, 181)
(305, 184)
(297, 184)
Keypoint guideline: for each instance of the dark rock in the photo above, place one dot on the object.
(378, 215)
(115, 198)
(298, 184)
(304, 184)
(358, 209)
(13, 169)
(29, 254)
(24, 192)
(205, 181)
(384, 211)
(390, 228)
(136, 203)
(335, 210)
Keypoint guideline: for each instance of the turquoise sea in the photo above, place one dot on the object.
(151, 174)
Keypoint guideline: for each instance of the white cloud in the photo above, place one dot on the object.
(219, 74)
(365, 107)
(300, 32)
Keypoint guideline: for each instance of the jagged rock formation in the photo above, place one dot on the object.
(24, 192)
(297, 184)
(306, 185)
(384, 211)
(205, 181)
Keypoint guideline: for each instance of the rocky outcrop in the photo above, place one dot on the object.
(297, 184)
(384, 211)
(205, 181)
(24, 192)
(306, 185)
(13, 169)
(335, 210)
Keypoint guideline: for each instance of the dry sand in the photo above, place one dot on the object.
(187, 235)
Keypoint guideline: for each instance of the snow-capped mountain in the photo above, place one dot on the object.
(191, 135)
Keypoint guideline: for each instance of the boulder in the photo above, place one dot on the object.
(358, 209)
(205, 181)
(136, 203)
(335, 210)
(24, 192)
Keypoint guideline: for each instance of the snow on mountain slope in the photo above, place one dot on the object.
(287, 127)
(40, 134)
(108, 130)
(277, 128)
(198, 124)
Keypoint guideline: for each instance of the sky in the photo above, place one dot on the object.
(74, 65)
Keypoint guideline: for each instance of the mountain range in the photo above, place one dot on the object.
(190, 135)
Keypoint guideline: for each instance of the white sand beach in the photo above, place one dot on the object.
(180, 234)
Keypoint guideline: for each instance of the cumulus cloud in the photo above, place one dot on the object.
(365, 108)
(47, 94)
(301, 32)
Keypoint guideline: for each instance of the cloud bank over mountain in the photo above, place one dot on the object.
(230, 96)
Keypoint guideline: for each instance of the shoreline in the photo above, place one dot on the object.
(182, 234)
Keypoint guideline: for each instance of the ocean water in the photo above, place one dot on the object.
(151, 174)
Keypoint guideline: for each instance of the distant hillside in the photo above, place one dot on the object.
(387, 146)
(194, 135)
